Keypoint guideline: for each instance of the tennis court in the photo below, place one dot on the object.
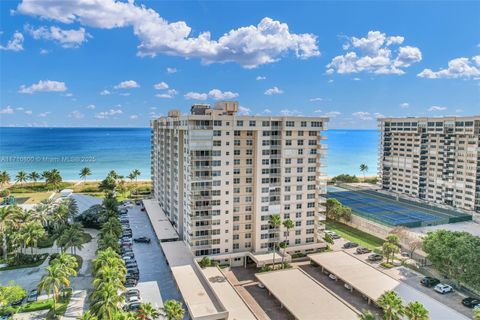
(389, 211)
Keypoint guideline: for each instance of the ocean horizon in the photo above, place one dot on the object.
(69, 149)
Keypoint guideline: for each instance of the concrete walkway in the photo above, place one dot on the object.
(82, 284)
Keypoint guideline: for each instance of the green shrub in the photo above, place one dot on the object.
(346, 178)
(298, 255)
(265, 269)
(386, 265)
(205, 262)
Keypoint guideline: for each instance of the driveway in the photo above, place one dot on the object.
(28, 278)
(150, 259)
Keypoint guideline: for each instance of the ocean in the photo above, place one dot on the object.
(126, 149)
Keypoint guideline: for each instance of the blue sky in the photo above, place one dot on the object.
(113, 63)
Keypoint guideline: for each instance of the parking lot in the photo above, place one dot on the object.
(150, 259)
(412, 278)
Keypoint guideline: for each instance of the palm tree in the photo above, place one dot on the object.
(33, 176)
(88, 316)
(109, 257)
(147, 312)
(108, 241)
(367, 315)
(68, 262)
(392, 305)
(136, 173)
(4, 178)
(363, 169)
(390, 247)
(416, 311)
(72, 238)
(287, 224)
(173, 310)
(275, 222)
(84, 173)
(21, 177)
(53, 282)
(7, 219)
(476, 314)
(106, 301)
(32, 231)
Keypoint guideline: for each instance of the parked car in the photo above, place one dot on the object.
(125, 245)
(332, 276)
(332, 234)
(130, 282)
(349, 245)
(128, 256)
(123, 211)
(132, 295)
(134, 306)
(142, 239)
(131, 264)
(347, 286)
(260, 285)
(335, 236)
(429, 282)
(375, 257)
(126, 240)
(470, 302)
(18, 302)
(138, 202)
(443, 288)
(362, 250)
(32, 296)
(142, 209)
(125, 250)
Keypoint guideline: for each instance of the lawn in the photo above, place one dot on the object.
(27, 265)
(31, 197)
(351, 234)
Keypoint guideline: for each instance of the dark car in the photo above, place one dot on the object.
(134, 306)
(349, 245)
(18, 302)
(142, 239)
(32, 296)
(126, 250)
(130, 282)
(470, 302)
(429, 282)
(138, 202)
(362, 250)
(375, 257)
(142, 209)
(131, 264)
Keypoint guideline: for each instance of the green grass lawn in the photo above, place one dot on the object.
(27, 265)
(351, 234)
(31, 197)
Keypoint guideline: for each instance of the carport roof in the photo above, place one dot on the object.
(304, 297)
(365, 279)
(162, 226)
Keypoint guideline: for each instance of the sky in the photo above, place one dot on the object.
(107, 63)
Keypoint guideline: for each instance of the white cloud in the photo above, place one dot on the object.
(362, 115)
(7, 110)
(28, 112)
(105, 93)
(125, 94)
(91, 106)
(219, 95)
(290, 112)
(172, 70)
(161, 86)
(243, 111)
(457, 68)
(134, 116)
(66, 38)
(332, 114)
(258, 78)
(44, 114)
(404, 105)
(267, 111)
(330, 81)
(250, 46)
(273, 91)
(196, 96)
(108, 114)
(128, 84)
(68, 94)
(76, 114)
(15, 43)
(356, 79)
(168, 95)
(44, 51)
(318, 111)
(44, 86)
(315, 99)
(374, 54)
(437, 108)
(19, 109)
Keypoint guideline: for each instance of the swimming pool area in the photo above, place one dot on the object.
(388, 210)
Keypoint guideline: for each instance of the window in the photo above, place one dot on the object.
(239, 123)
(265, 123)
(290, 124)
(217, 133)
(217, 123)
(217, 143)
(252, 123)
(303, 124)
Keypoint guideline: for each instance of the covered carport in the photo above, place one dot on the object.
(160, 222)
(304, 297)
(372, 283)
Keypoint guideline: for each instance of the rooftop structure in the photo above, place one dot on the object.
(432, 159)
(304, 297)
(373, 283)
(160, 223)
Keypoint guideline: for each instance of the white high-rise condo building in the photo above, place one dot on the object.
(434, 159)
(219, 176)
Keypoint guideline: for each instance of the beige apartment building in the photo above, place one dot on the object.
(219, 176)
(433, 159)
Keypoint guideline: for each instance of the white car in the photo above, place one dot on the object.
(443, 288)
(347, 286)
(332, 276)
